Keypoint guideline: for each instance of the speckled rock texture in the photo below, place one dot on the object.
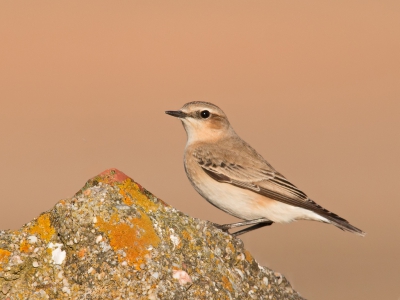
(115, 240)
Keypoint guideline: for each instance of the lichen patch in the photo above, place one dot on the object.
(4, 257)
(43, 228)
(248, 256)
(132, 194)
(24, 247)
(82, 252)
(132, 237)
(227, 284)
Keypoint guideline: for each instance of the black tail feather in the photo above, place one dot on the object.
(344, 225)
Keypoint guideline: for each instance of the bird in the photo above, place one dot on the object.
(231, 175)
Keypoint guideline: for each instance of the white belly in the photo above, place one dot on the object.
(233, 200)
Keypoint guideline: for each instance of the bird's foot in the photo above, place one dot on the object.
(257, 223)
(223, 227)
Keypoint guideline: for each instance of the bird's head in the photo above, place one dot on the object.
(203, 121)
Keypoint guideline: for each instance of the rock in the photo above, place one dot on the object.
(115, 240)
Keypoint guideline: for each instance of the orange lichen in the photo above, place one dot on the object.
(82, 252)
(226, 284)
(24, 247)
(248, 255)
(132, 193)
(43, 228)
(4, 257)
(133, 237)
(186, 235)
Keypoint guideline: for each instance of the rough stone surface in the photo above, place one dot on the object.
(115, 240)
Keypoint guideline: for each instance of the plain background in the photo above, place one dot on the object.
(314, 86)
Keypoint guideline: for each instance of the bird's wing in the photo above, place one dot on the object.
(255, 174)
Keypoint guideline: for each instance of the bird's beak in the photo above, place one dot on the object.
(176, 113)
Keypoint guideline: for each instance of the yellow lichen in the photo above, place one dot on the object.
(226, 283)
(133, 238)
(186, 235)
(4, 257)
(24, 247)
(248, 255)
(43, 228)
(131, 194)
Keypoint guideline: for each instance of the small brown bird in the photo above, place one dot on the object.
(232, 176)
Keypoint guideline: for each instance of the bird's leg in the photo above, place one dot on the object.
(254, 227)
(226, 227)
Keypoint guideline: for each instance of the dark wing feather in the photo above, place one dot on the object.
(297, 197)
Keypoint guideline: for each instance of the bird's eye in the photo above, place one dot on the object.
(205, 114)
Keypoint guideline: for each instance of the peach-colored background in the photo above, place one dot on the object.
(314, 86)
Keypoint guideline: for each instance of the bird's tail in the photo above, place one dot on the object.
(334, 219)
(344, 225)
